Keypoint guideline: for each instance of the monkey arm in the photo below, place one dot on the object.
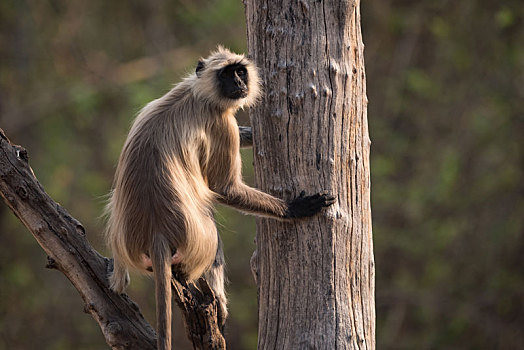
(227, 181)
(246, 136)
(250, 200)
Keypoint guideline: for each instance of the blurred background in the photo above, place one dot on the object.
(446, 115)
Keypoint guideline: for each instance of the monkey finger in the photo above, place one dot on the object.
(324, 195)
(318, 198)
(329, 203)
(328, 200)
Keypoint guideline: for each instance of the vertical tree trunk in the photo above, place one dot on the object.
(315, 277)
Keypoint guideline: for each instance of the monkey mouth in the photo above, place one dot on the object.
(238, 94)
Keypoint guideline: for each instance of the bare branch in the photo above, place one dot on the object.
(201, 314)
(63, 238)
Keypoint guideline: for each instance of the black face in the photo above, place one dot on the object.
(232, 81)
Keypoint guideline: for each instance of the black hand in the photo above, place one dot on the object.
(304, 206)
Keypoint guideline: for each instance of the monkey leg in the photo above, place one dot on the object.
(215, 277)
(119, 277)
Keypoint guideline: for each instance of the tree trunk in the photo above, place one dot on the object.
(315, 277)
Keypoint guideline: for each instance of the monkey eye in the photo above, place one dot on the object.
(241, 71)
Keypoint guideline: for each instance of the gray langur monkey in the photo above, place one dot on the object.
(181, 156)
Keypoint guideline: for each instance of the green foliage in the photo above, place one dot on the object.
(446, 173)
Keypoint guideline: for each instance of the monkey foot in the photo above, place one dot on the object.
(177, 258)
(147, 264)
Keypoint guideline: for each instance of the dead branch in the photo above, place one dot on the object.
(64, 240)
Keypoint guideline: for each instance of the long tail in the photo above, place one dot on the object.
(161, 261)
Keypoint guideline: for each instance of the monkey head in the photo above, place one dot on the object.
(227, 80)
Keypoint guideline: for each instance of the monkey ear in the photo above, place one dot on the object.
(199, 68)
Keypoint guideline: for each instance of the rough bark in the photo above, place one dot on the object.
(201, 314)
(315, 277)
(64, 240)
